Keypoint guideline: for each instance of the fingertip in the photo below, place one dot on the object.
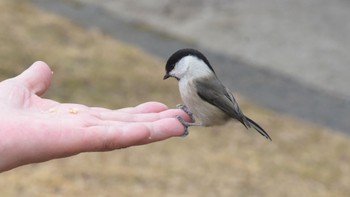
(173, 112)
(151, 106)
(166, 128)
(139, 133)
(183, 115)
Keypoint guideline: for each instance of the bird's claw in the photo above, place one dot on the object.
(185, 124)
(186, 110)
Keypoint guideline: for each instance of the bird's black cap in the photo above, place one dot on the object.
(178, 55)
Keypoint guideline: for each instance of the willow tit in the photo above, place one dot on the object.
(203, 93)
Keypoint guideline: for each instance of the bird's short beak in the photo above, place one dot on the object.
(166, 76)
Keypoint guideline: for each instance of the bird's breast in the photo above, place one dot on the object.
(208, 114)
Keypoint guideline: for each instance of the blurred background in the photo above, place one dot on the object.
(286, 61)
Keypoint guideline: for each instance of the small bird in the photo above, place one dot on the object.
(203, 94)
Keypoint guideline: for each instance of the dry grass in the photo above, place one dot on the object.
(91, 68)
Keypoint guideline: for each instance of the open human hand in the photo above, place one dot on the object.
(34, 129)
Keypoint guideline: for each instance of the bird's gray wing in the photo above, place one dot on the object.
(212, 91)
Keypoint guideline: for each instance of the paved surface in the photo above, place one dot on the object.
(308, 40)
(291, 56)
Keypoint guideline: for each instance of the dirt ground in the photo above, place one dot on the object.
(96, 70)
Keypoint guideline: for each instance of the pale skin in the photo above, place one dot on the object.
(34, 129)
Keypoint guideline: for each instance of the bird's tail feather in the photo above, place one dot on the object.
(250, 123)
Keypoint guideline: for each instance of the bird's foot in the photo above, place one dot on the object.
(186, 124)
(185, 109)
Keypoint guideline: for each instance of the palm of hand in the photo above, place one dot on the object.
(35, 129)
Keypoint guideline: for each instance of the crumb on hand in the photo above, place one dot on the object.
(73, 110)
(52, 110)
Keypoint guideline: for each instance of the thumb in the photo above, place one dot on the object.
(37, 77)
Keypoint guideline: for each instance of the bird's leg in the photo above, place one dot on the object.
(185, 109)
(190, 114)
(186, 124)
